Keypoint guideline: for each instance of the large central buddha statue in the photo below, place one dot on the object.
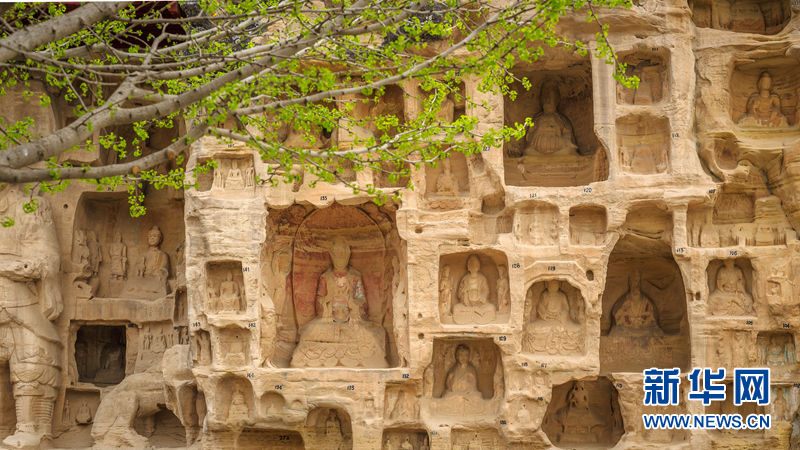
(763, 107)
(341, 336)
(635, 314)
(551, 133)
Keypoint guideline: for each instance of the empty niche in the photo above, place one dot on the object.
(464, 377)
(778, 353)
(77, 416)
(743, 16)
(537, 224)
(587, 225)
(560, 148)
(643, 321)
(272, 405)
(555, 318)
(474, 288)
(479, 438)
(643, 143)
(329, 428)
(100, 354)
(162, 429)
(257, 439)
(401, 405)
(234, 401)
(447, 183)
(764, 93)
(233, 175)
(225, 289)
(730, 287)
(584, 413)
(652, 221)
(117, 256)
(650, 68)
(405, 439)
(232, 347)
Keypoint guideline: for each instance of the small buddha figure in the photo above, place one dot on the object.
(523, 418)
(730, 296)
(776, 353)
(445, 292)
(462, 378)
(635, 313)
(763, 107)
(578, 422)
(219, 182)
(473, 296)
(238, 410)
(118, 253)
(341, 335)
(503, 288)
(446, 183)
(83, 416)
(553, 307)
(229, 295)
(333, 426)
(551, 133)
(235, 179)
(153, 268)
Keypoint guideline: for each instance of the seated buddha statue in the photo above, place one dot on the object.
(579, 424)
(462, 378)
(763, 107)
(635, 313)
(730, 296)
(551, 133)
(553, 306)
(341, 336)
(473, 296)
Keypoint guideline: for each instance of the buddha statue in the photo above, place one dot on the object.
(445, 292)
(730, 296)
(238, 409)
(635, 313)
(473, 296)
(234, 180)
(553, 306)
(763, 107)
(551, 133)
(229, 295)
(83, 416)
(776, 352)
(446, 183)
(577, 422)
(118, 252)
(503, 290)
(462, 378)
(340, 335)
(152, 271)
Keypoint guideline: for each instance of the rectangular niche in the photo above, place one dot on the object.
(584, 413)
(447, 184)
(234, 175)
(225, 289)
(730, 287)
(232, 347)
(117, 256)
(742, 16)
(537, 224)
(561, 148)
(77, 416)
(587, 225)
(100, 354)
(474, 288)
(643, 142)
(481, 438)
(402, 438)
(651, 69)
(778, 353)
(554, 319)
(764, 93)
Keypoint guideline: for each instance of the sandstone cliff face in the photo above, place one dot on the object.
(511, 301)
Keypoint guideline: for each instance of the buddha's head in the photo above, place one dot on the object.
(229, 276)
(552, 286)
(462, 354)
(154, 236)
(473, 264)
(117, 237)
(549, 96)
(764, 81)
(340, 253)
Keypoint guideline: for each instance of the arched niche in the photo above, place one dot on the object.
(328, 427)
(313, 305)
(730, 287)
(584, 413)
(554, 319)
(561, 148)
(234, 401)
(742, 16)
(474, 288)
(643, 322)
(650, 65)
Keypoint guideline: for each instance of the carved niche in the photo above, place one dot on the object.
(765, 94)
(560, 148)
(584, 413)
(537, 224)
(778, 352)
(328, 428)
(464, 377)
(587, 225)
(643, 142)
(733, 348)
(651, 70)
(643, 322)
(405, 439)
(401, 405)
(736, 219)
(77, 415)
(479, 438)
(555, 319)
(100, 354)
(225, 290)
(234, 401)
(234, 175)
(474, 288)
(337, 309)
(743, 16)
(231, 347)
(730, 287)
(447, 184)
